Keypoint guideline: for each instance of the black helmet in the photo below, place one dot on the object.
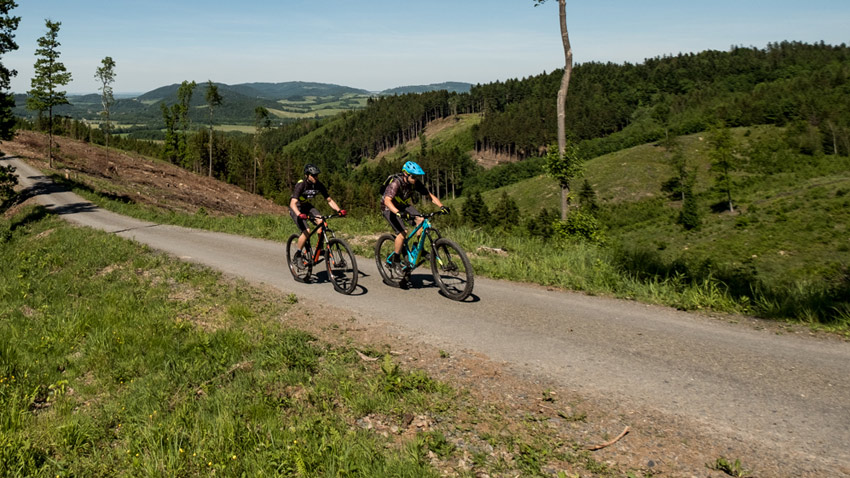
(311, 169)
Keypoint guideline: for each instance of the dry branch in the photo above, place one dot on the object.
(610, 442)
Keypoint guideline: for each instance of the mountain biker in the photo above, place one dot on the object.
(300, 208)
(395, 203)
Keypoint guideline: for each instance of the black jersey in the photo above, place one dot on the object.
(305, 191)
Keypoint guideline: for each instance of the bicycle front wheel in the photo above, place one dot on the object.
(384, 250)
(451, 269)
(299, 265)
(342, 267)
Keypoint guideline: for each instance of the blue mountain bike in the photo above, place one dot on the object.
(449, 265)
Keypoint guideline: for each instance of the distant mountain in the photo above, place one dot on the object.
(450, 86)
(287, 101)
(279, 91)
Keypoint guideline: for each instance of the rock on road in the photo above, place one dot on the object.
(786, 395)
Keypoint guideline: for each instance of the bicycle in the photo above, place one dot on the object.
(449, 265)
(339, 260)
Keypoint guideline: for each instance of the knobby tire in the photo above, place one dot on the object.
(342, 266)
(302, 270)
(451, 269)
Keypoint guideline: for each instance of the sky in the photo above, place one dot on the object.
(381, 44)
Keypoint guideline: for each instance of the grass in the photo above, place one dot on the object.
(782, 254)
(117, 360)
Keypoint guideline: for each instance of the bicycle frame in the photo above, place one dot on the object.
(322, 230)
(413, 255)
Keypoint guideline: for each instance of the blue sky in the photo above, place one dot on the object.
(380, 44)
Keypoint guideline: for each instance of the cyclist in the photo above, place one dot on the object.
(300, 208)
(395, 203)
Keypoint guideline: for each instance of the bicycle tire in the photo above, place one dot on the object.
(342, 266)
(302, 268)
(383, 248)
(451, 269)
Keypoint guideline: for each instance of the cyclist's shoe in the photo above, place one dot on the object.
(298, 260)
(397, 267)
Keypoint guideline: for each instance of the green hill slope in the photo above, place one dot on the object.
(790, 224)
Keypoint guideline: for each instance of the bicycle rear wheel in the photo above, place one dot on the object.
(342, 266)
(384, 250)
(451, 269)
(300, 266)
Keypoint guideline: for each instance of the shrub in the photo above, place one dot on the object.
(8, 180)
(580, 225)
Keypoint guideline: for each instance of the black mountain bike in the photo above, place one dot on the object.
(340, 261)
(449, 265)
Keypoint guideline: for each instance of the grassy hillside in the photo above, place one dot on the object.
(789, 229)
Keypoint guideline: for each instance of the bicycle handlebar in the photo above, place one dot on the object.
(326, 217)
(429, 215)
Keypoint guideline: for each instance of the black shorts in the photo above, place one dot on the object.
(395, 222)
(302, 223)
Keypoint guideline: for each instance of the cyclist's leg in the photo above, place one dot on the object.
(415, 214)
(301, 224)
(398, 228)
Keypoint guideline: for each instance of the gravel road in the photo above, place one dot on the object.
(786, 395)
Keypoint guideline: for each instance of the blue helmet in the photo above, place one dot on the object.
(412, 168)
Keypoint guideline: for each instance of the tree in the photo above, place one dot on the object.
(689, 217)
(105, 74)
(181, 113)
(676, 155)
(8, 25)
(562, 98)
(262, 122)
(476, 210)
(564, 165)
(213, 99)
(50, 74)
(587, 198)
(722, 157)
(506, 212)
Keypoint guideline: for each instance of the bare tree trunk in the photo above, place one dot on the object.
(562, 98)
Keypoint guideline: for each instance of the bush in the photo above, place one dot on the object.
(8, 180)
(580, 225)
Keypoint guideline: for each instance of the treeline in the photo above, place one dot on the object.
(610, 107)
(618, 106)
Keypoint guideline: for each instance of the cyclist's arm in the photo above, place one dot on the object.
(293, 204)
(333, 204)
(388, 201)
(435, 200)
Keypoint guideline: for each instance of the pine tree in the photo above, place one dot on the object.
(689, 217)
(506, 212)
(8, 25)
(213, 99)
(587, 198)
(50, 74)
(476, 211)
